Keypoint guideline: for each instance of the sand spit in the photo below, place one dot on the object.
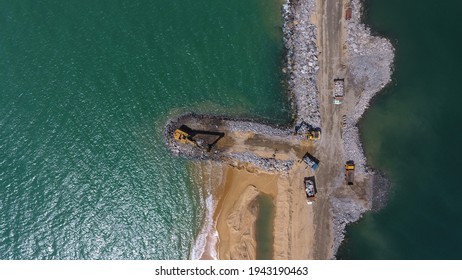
(240, 223)
(293, 232)
(259, 155)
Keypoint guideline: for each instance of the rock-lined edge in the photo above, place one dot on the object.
(302, 60)
(370, 62)
(233, 124)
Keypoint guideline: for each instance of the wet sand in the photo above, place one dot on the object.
(236, 213)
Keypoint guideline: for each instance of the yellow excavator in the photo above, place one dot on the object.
(182, 136)
(201, 138)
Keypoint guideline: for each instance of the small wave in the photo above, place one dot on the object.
(199, 246)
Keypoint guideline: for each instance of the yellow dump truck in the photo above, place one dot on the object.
(350, 172)
(314, 134)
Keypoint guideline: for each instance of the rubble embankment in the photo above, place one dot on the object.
(370, 61)
(221, 123)
(302, 60)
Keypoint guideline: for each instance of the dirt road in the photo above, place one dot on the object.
(330, 148)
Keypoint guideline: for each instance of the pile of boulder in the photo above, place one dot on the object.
(302, 60)
(256, 127)
(344, 211)
(238, 125)
(266, 164)
(370, 60)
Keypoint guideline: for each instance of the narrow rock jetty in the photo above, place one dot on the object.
(302, 60)
(244, 141)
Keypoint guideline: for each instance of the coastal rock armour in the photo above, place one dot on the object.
(344, 211)
(370, 60)
(302, 60)
(220, 123)
(268, 164)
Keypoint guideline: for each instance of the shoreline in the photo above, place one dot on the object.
(311, 36)
(206, 242)
(366, 53)
(236, 214)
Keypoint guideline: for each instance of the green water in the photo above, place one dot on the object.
(264, 227)
(412, 132)
(86, 87)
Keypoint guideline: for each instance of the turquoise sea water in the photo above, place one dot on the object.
(413, 133)
(85, 89)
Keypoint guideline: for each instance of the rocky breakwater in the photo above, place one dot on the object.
(302, 60)
(224, 150)
(369, 60)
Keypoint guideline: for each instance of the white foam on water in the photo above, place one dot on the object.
(208, 231)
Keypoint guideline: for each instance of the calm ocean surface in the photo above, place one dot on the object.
(413, 133)
(86, 87)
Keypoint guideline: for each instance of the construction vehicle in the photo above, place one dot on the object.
(202, 139)
(348, 13)
(314, 134)
(310, 132)
(338, 93)
(350, 172)
(310, 189)
(182, 136)
(311, 161)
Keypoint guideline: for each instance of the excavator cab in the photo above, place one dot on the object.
(201, 138)
(182, 136)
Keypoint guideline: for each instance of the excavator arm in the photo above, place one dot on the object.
(201, 138)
